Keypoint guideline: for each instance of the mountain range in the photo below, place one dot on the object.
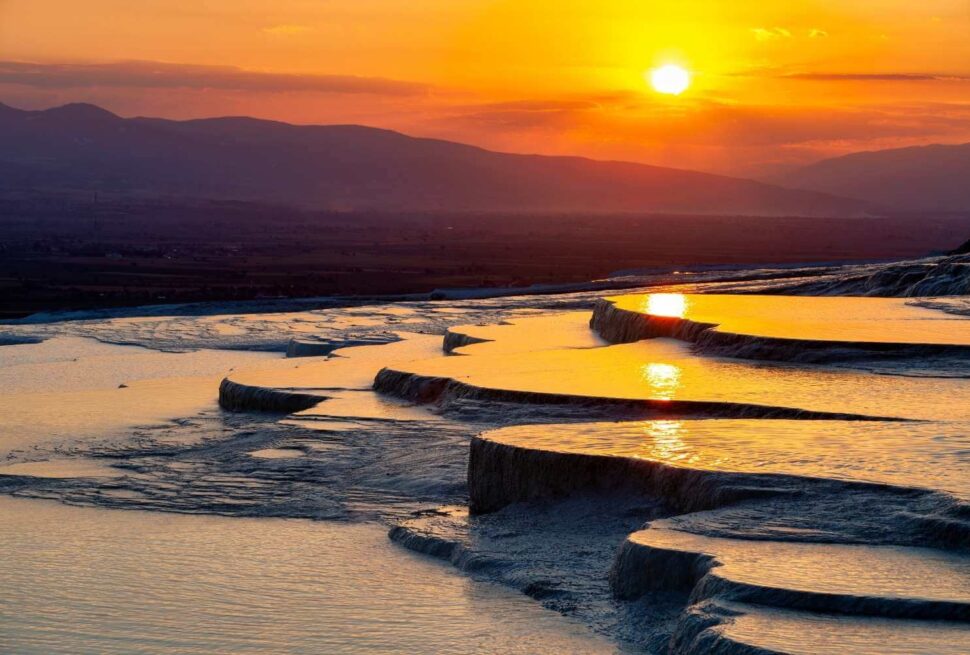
(350, 167)
(932, 177)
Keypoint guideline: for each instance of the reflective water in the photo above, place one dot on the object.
(91, 580)
(803, 633)
(77, 467)
(69, 388)
(550, 331)
(81, 580)
(858, 320)
(276, 453)
(351, 368)
(932, 455)
(665, 369)
(855, 570)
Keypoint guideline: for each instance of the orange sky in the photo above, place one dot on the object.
(773, 82)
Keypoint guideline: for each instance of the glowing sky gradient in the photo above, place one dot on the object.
(772, 82)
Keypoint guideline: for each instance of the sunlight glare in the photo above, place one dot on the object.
(664, 379)
(670, 79)
(673, 305)
(664, 442)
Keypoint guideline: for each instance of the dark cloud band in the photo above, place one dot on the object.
(877, 77)
(141, 74)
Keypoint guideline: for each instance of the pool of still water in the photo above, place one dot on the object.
(85, 580)
(78, 580)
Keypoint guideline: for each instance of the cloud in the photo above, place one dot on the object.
(816, 33)
(158, 75)
(770, 33)
(876, 77)
(544, 114)
(286, 30)
(698, 133)
(779, 72)
(621, 120)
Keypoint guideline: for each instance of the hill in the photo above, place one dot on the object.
(934, 177)
(349, 167)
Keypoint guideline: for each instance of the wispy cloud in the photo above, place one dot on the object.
(876, 77)
(783, 73)
(539, 113)
(286, 30)
(816, 33)
(770, 33)
(146, 74)
(713, 135)
(710, 124)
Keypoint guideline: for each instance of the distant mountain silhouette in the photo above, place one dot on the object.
(81, 146)
(962, 249)
(934, 177)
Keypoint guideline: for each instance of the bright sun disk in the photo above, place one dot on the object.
(671, 79)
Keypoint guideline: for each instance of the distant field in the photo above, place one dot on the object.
(59, 253)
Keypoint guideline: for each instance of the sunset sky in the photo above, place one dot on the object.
(772, 82)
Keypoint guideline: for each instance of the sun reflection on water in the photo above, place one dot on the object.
(665, 442)
(663, 379)
(673, 305)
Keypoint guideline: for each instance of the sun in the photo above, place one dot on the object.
(671, 79)
(671, 305)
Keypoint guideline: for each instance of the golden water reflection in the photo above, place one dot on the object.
(925, 454)
(663, 378)
(665, 442)
(818, 318)
(673, 305)
(75, 579)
